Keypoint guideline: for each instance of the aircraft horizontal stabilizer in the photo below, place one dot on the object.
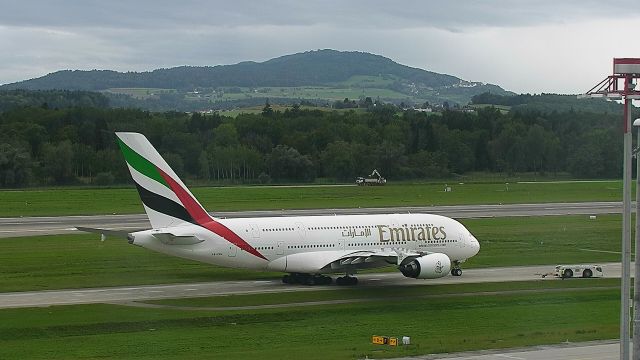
(170, 239)
(105, 232)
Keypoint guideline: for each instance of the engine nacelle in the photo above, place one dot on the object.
(430, 266)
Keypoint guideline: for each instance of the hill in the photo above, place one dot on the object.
(322, 75)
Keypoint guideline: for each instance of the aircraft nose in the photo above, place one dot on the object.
(474, 244)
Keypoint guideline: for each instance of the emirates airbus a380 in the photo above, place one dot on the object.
(421, 246)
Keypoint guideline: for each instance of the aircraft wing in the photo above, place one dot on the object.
(336, 261)
(391, 256)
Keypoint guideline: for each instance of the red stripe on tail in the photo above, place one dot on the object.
(203, 219)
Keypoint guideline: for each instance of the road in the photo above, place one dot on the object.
(150, 292)
(30, 226)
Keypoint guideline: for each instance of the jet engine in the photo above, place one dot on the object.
(430, 266)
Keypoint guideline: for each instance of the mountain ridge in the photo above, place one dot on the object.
(338, 66)
(352, 74)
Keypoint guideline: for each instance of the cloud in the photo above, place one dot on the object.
(526, 46)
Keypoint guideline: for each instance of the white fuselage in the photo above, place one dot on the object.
(305, 244)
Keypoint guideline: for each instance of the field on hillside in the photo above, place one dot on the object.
(354, 88)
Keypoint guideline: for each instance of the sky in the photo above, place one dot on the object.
(526, 46)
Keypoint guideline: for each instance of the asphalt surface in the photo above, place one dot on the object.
(218, 288)
(597, 350)
(31, 226)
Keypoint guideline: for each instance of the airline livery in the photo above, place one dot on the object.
(421, 246)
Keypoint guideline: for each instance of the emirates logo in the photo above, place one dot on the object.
(438, 267)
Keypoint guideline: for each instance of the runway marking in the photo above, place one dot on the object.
(601, 251)
(510, 357)
(564, 182)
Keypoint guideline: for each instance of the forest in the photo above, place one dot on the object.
(73, 143)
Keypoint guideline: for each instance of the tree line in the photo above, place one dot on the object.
(40, 145)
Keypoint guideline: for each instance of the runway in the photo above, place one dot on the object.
(218, 288)
(31, 226)
(595, 350)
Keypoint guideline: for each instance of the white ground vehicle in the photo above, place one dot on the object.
(585, 271)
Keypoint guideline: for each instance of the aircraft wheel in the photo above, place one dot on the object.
(286, 279)
(310, 280)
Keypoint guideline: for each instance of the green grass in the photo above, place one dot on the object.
(368, 81)
(126, 201)
(75, 261)
(435, 325)
(79, 261)
(546, 240)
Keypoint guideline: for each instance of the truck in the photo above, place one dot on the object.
(374, 179)
(585, 271)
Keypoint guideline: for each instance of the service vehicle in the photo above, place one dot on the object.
(374, 179)
(585, 271)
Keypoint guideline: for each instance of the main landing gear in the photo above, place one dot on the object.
(306, 279)
(347, 280)
(317, 279)
(455, 270)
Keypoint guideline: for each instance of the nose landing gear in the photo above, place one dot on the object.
(456, 270)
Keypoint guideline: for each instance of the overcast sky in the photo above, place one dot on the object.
(562, 46)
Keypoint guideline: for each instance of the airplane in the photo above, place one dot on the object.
(422, 246)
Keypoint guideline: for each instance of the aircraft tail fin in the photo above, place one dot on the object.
(165, 198)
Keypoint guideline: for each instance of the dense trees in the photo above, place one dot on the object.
(40, 145)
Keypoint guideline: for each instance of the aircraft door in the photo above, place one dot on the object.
(280, 248)
(255, 231)
(463, 240)
(302, 230)
(233, 250)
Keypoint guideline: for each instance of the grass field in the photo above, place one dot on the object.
(446, 324)
(141, 93)
(126, 201)
(76, 261)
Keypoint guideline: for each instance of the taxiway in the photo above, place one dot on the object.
(219, 288)
(48, 225)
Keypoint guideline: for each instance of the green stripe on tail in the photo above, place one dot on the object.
(141, 164)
